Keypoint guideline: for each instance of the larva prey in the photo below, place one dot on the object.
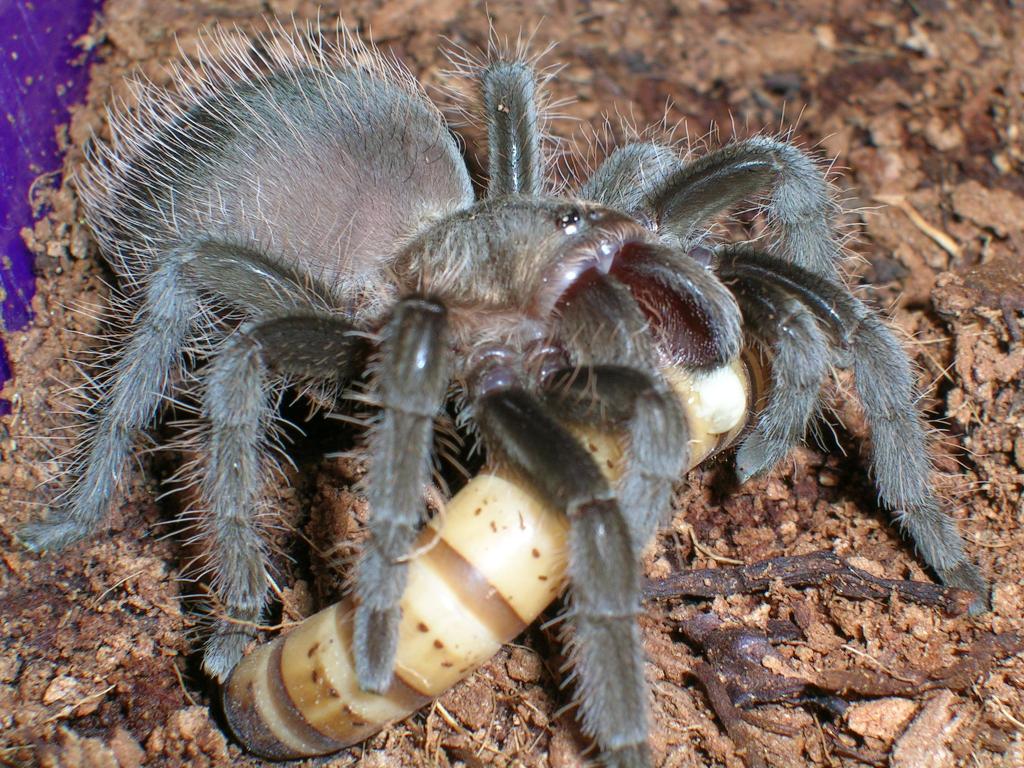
(488, 567)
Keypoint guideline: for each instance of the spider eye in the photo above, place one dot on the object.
(569, 220)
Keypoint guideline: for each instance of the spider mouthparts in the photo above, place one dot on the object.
(671, 289)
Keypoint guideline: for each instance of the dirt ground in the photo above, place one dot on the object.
(921, 105)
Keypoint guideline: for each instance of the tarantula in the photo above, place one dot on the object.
(302, 208)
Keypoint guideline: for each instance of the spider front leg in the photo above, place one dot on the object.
(615, 380)
(678, 199)
(885, 385)
(603, 565)
(640, 403)
(515, 162)
(800, 363)
(616, 384)
(239, 407)
(412, 377)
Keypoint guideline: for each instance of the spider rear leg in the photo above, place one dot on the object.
(252, 283)
(412, 380)
(239, 406)
(131, 396)
(603, 568)
(885, 385)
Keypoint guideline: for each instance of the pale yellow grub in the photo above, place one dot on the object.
(513, 539)
(318, 675)
(483, 571)
(440, 638)
(716, 405)
(252, 709)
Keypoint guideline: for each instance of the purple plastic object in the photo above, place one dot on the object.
(41, 75)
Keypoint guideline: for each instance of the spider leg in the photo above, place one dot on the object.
(515, 162)
(630, 178)
(679, 199)
(412, 379)
(252, 283)
(603, 567)
(800, 364)
(900, 460)
(885, 385)
(618, 397)
(171, 314)
(128, 402)
(290, 333)
(239, 405)
(615, 383)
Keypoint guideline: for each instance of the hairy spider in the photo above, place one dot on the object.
(302, 201)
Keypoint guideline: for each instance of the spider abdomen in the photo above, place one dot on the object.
(481, 573)
(308, 163)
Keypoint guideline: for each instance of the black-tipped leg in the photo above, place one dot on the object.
(412, 379)
(238, 404)
(603, 568)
